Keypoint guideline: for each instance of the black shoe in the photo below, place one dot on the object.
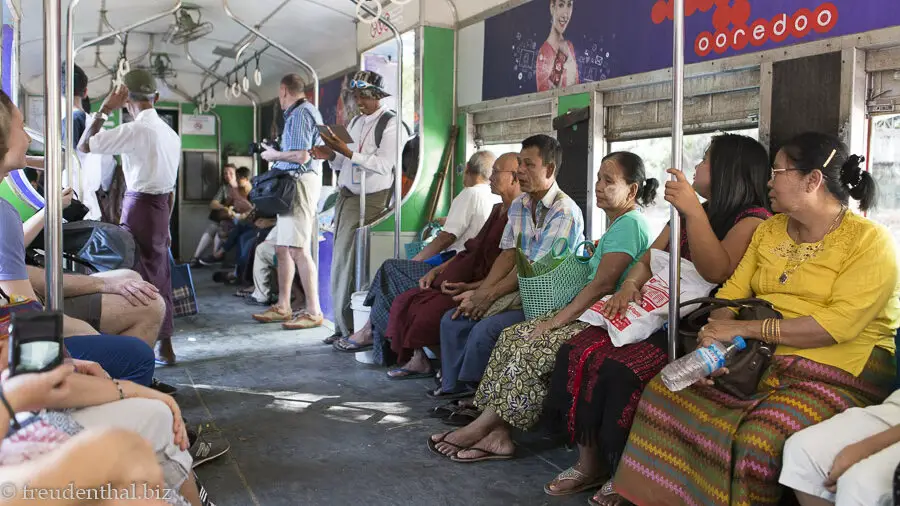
(165, 388)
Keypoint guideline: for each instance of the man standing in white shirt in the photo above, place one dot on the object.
(151, 153)
(373, 156)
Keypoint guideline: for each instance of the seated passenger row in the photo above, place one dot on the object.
(830, 274)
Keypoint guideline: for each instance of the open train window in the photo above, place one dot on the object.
(657, 155)
(884, 164)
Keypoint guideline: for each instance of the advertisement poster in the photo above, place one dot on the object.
(336, 101)
(548, 44)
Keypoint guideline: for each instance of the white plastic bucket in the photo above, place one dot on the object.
(360, 317)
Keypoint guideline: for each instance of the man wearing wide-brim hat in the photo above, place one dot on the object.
(372, 156)
(151, 153)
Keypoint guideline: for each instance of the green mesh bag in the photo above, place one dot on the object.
(553, 280)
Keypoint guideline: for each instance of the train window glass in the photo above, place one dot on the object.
(500, 149)
(884, 163)
(657, 156)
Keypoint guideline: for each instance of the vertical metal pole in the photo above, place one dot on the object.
(398, 166)
(677, 155)
(53, 156)
(361, 268)
(14, 54)
(71, 160)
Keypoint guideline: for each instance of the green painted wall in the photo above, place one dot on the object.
(437, 81)
(236, 126)
(577, 101)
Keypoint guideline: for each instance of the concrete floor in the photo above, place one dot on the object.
(310, 426)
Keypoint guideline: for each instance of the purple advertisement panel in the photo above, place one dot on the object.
(548, 44)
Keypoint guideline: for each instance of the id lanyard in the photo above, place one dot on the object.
(356, 170)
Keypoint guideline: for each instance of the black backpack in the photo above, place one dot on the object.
(410, 163)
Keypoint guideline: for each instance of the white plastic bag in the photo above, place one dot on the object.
(640, 321)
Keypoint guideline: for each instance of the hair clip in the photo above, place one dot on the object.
(833, 152)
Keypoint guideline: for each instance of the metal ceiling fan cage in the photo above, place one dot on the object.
(161, 66)
(187, 28)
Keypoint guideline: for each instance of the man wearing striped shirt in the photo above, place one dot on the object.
(294, 231)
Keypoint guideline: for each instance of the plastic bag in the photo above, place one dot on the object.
(642, 320)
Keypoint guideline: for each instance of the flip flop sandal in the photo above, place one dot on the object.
(432, 445)
(449, 396)
(406, 374)
(445, 410)
(332, 338)
(572, 474)
(345, 345)
(461, 418)
(488, 455)
(611, 498)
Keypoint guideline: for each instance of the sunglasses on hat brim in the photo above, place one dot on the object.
(363, 85)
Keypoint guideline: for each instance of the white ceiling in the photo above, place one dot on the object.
(321, 32)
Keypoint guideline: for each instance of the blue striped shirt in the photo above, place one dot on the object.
(557, 216)
(300, 134)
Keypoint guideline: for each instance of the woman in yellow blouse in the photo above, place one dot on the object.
(833, 276)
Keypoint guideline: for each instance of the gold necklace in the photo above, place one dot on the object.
(818, 247)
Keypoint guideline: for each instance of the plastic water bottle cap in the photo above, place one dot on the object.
(739, 342)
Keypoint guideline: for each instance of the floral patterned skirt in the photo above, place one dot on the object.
(517, 377)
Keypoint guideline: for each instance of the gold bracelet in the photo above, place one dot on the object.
(778, 331)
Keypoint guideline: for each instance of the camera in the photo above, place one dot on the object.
(257, 147)
(35, 342)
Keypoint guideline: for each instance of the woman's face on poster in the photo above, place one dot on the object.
(561, 14)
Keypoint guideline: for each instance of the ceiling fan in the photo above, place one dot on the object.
(161, 66)
(186, 28)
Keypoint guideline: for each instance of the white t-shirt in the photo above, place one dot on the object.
(468, 213)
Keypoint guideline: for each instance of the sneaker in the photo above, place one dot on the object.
(165, 388)
(273, 314)
(204, 496)
(209, 260)
(206, 448)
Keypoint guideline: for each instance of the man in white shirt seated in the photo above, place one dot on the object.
(373, 155)
(468, 213)
(151, 154)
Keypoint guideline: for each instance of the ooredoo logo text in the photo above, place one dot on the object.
(733, 30)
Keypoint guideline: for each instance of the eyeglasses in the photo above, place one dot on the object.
(776, 171)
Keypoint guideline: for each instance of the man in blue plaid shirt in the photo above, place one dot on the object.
(294, 231)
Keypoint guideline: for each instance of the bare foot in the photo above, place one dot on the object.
(462, 438)
(415, 365)
(497, 442)
(363, 335)
(164, 351)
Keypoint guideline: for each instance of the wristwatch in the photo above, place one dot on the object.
(102, 115)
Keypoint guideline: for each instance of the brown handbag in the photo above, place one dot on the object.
(746, 368)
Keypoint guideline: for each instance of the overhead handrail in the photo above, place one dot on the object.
(250, 95)
(677, 162)
(71, 160)
(53, 155)
(276, 45)
(398, 166)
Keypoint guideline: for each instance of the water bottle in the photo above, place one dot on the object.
(692, 367)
